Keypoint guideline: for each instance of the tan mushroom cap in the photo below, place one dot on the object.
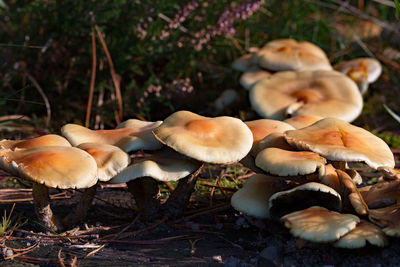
(290, 163)
(163, 165)
(381, 194)
(252, 198)
(252, 76)
(110, 159)
(288, 54)
(302, 121)
(366, 68)
(338, 140)
(359, 236)
(318, 224)
(129, 135)
(314, 93)
(276, 140)
(215, 140)
(330, 178)
(45, 140)
(245, 62)
(304, 196)
(54, 166)
(388, 218)
(264, 127)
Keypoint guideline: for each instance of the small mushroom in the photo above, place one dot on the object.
(276, 140)
(381, 194)
(245, 62)
(388, 218)
(304, 196)
(350, 194)
(318, 224)
(359, 236)
(252, 76)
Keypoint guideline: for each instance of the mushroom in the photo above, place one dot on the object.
(302, 197)
(129, 135)
(388, 218)
(44, 140)
(290, 163)
(142, 176)
(315, 93)
(350, 194)
(226, 99)
(318, 224)
(361, 70)
(252, 198)
(288, 54)
(381, 194)
(338, 140)
(276, 140)
(302, 121)
(245, 62)
(110, 161)
(359, 236)
(50, 166)
(252, 76)
(389, 173)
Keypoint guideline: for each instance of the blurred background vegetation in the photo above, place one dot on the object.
(154, 57)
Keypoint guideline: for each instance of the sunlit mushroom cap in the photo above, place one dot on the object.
(214, 140)
(129, 136)
(290, 163)
(318, 224)
(369, 68)
(288, 54)
(54, 166)
(263, 127)
(252, 76)
(388, 218)
(276, 140)
(330, 178)
(359, 236)
(302, 197)
(314, 93)
(45, 140)
(338, 140)
(302, 121)
(245, 62)
(252, 198)
(110, 159)
(162, 165)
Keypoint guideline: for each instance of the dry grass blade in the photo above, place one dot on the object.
(60, 260)
(21, 249)
(92, 80)
(22, 253)
(114, 75)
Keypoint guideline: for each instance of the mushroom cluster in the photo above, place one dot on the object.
(287, 78)
(304, 179)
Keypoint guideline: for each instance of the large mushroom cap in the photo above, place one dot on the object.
(302, 121)
(368, 68)
(288, 54)
(110, 159)
(304, 196)
(54, 166)
(213, 140)
(338, 140)
(252, 198)
(315, 93)
(359, 236)
(264, 127)
(45, 140)
(130, 135)
(163, 165)
(318, 224)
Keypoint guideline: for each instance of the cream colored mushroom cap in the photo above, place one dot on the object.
(129, 135)
(218, 140)
(290, 163)
(252, 198)
(288, 54)
(358, 237)
(338, 140)
(110, 159)
(245, 62)
(44, 140)
(264, 127)
(163, 166)
(318, 224)
(252, 76)
(53, 166)
(370, 67)
(314, 93)
(304, 196)
(276, 140)
(302, 121)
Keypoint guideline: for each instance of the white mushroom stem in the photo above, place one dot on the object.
(43, 210)
(177, 201)
(81, 210)
(147, 195)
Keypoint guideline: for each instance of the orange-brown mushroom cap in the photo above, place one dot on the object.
(44, 140)
(54, 166)
(338, 140)
(315, 93)
(214, 140)
(302, 121)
